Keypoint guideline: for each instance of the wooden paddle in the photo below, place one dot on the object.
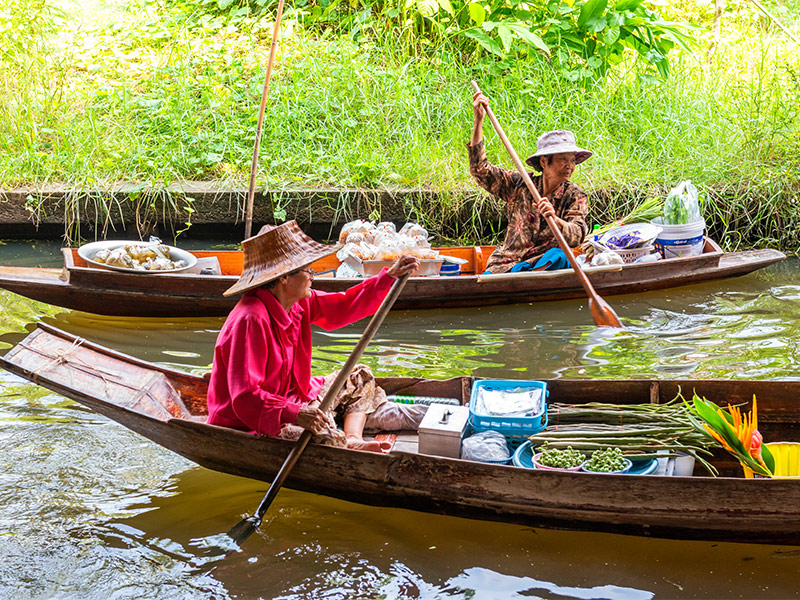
(248, 225)
(602, 313)
(246, 527)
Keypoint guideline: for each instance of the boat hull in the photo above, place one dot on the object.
(167, 407)
(113, 293)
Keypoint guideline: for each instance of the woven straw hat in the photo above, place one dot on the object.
(555, 142)
(276, 251)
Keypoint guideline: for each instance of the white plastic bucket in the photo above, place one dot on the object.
(676, 241)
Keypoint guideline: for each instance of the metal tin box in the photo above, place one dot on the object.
(441, 430)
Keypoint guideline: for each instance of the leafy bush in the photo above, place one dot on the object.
(24, 28)
(582, 38)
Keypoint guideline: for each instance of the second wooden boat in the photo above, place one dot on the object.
(79, 286)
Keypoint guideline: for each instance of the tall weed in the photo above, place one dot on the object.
(158, 96)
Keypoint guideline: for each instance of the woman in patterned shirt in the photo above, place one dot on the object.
(529, 243)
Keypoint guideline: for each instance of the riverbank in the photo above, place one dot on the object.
(158, 94)
(204, 209)
(738, 218)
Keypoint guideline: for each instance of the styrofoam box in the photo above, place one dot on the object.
(368, 268)
(440, 433)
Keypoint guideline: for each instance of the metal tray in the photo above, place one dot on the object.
(87, 252)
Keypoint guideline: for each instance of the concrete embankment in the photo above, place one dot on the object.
(215, 210)
(219, 212)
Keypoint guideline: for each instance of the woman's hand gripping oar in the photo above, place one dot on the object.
(246, 527)
(602, 313)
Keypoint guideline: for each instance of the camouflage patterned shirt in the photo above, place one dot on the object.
(527, 235)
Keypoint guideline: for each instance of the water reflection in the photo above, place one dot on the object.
(91, 510)
(494, 586)
(315, 547)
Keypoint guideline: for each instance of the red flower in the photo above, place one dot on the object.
(755, 446)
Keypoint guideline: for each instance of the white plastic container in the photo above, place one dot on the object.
(676, 241)
(441, 430)
(675, 466)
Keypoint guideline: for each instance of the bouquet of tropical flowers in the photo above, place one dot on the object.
(736, 432)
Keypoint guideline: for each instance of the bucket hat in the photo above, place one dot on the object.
(274, 251)
(555, 142)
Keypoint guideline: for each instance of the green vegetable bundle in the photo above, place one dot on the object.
(675, 211)
(682, 205)
(637, 430)
(557, 458)
(609, 460)
(643, 213)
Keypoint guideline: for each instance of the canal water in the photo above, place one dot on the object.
(91, 510)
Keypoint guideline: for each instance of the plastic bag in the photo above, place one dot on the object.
(388, 251)
(609, 257)
(362, 250)
(486, 446)
(345, 270)
(413, 230)
(517, 402)
(367, 241)
(682, 205)
(366, 228)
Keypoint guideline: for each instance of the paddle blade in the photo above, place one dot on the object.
(602, 313)
(244, 529)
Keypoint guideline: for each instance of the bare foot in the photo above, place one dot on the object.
(382, 447)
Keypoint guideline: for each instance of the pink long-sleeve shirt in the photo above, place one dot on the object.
(261, 374)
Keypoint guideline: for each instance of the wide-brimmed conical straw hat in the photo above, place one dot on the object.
(274, 251)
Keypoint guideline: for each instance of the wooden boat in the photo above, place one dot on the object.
(79, 286)
(169, 408)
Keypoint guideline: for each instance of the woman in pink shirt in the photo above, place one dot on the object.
(261, 377)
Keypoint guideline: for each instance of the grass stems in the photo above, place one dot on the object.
(148, 100)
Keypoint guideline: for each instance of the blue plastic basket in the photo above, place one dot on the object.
(523, 456)
(516, 429)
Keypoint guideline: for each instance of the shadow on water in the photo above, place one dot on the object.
(310, 543)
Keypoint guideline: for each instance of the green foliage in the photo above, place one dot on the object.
(378, 96)
(583, 39)
(25, 26)
(599, 34)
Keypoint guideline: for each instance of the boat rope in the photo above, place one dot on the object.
(61, 358)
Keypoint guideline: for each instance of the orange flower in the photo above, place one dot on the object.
(718, 437)
(744, 428)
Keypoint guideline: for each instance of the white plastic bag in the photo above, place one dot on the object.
(609, 257)
(486, 446)
(682, 205)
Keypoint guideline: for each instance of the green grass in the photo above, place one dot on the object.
(142, 98)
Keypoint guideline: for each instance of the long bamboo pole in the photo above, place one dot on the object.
(248, 227)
